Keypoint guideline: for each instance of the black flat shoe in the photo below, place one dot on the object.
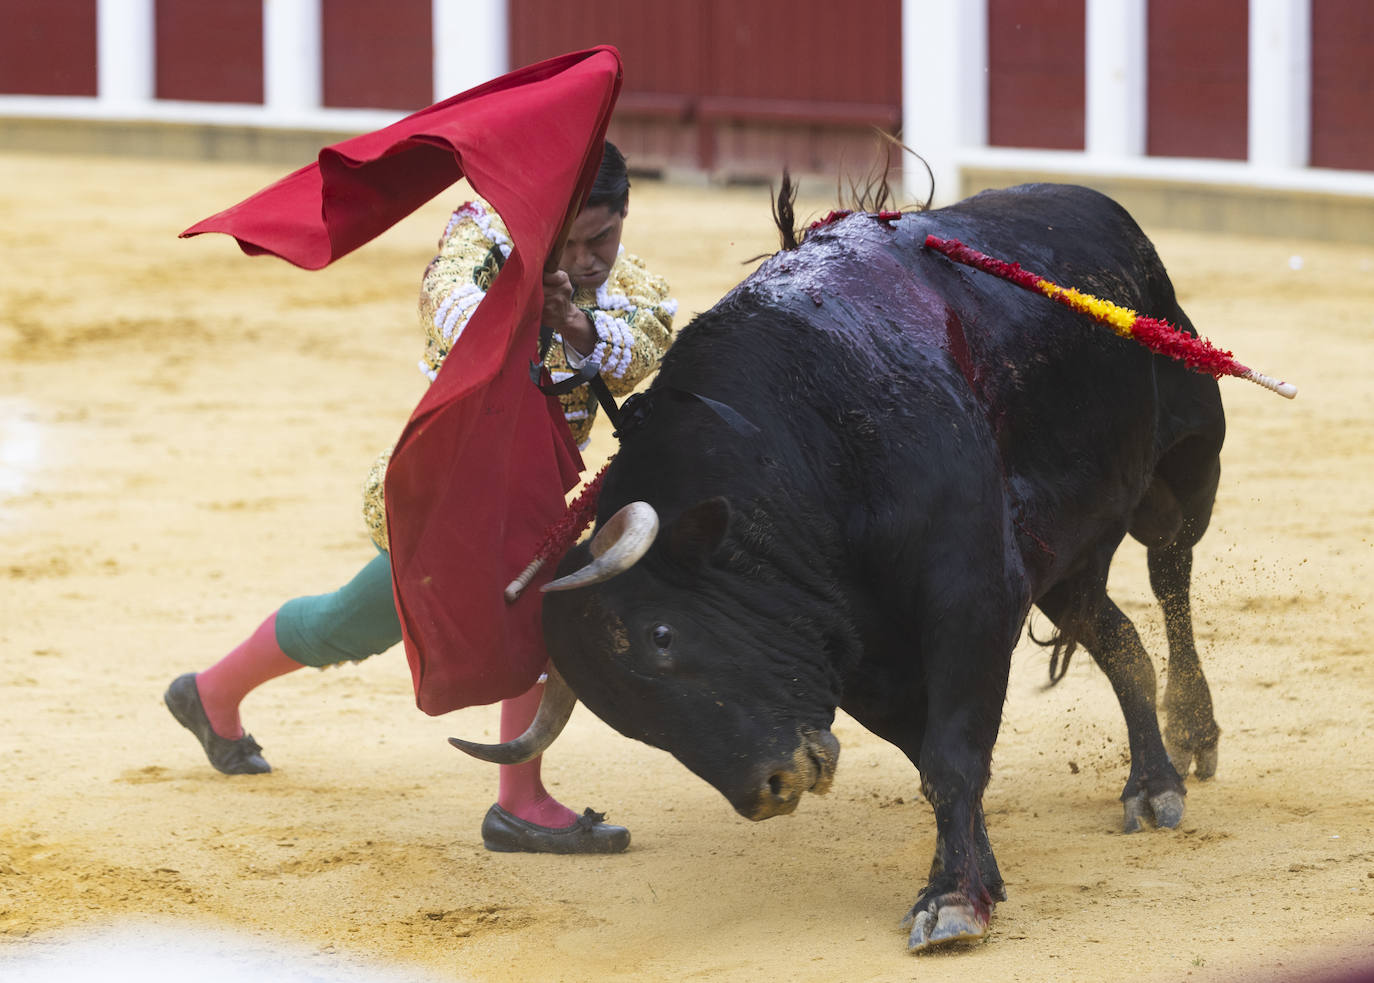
(240, 757)
(504, 833)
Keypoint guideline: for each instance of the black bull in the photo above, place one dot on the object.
(936, 450)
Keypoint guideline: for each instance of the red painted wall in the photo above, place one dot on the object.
(1197, 69)
(735, 86)
(378, 55)
(1036, 54)
(803, 50)
(209, 52)
(789, 50)
(47, 47)
(1343, 84)
(722, 84)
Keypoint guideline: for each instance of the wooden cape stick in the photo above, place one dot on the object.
(581, 512)
(561, 535)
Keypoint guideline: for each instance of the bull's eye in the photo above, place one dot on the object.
(663, 637)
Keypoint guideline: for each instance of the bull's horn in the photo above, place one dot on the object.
(555, 707)
(618, 545)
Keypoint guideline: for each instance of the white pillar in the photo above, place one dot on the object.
(944, 90)
(125, 53)
(471, 44)
(292, 69)
(1115, 78)
(1280, 83)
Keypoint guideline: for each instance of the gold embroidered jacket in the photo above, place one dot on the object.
(631, 312)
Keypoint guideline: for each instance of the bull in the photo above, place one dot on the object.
(846, 487)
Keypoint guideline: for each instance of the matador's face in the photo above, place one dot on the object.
(592, 245)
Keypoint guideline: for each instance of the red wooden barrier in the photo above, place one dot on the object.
(47, 47)
(209, 52)
(736, 88)
(1198, 72)
(378, 55)
(1036, 52)
(1343, 84)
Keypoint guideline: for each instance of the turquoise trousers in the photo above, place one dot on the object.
(350, 624)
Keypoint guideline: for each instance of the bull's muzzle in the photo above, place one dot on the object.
(810, 769)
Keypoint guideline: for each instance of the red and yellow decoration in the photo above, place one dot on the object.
(1158, 336)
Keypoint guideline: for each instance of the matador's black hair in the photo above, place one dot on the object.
(612, 186)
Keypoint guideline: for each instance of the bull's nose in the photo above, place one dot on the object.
(824, 752)
(810, 769)
(777, 796)
(782, 796)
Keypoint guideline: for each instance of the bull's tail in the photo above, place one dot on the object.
(1073, 626)
(1062, 646)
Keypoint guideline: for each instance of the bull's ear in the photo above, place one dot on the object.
(699, 531)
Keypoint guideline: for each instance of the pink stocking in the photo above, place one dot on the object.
(224, 685)
(522, 791)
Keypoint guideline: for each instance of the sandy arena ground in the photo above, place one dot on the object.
(183, 431)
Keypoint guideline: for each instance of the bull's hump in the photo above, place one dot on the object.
(865, 276)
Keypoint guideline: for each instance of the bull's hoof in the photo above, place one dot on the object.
(942, 921)
(1201, 761)
(1205, 764)
(1162, 811)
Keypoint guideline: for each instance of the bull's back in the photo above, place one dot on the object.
(1074, 409)
(868, 321)
(872, 284)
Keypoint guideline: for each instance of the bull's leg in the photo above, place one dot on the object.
(967, 660)
(1191, 733)
(987, 863)
(1154, 791)
(964, 879)
(868, 697)
(956, 903)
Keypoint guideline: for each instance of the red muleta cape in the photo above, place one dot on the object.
(482, 467)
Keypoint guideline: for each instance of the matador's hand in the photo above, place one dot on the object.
(562, 316)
